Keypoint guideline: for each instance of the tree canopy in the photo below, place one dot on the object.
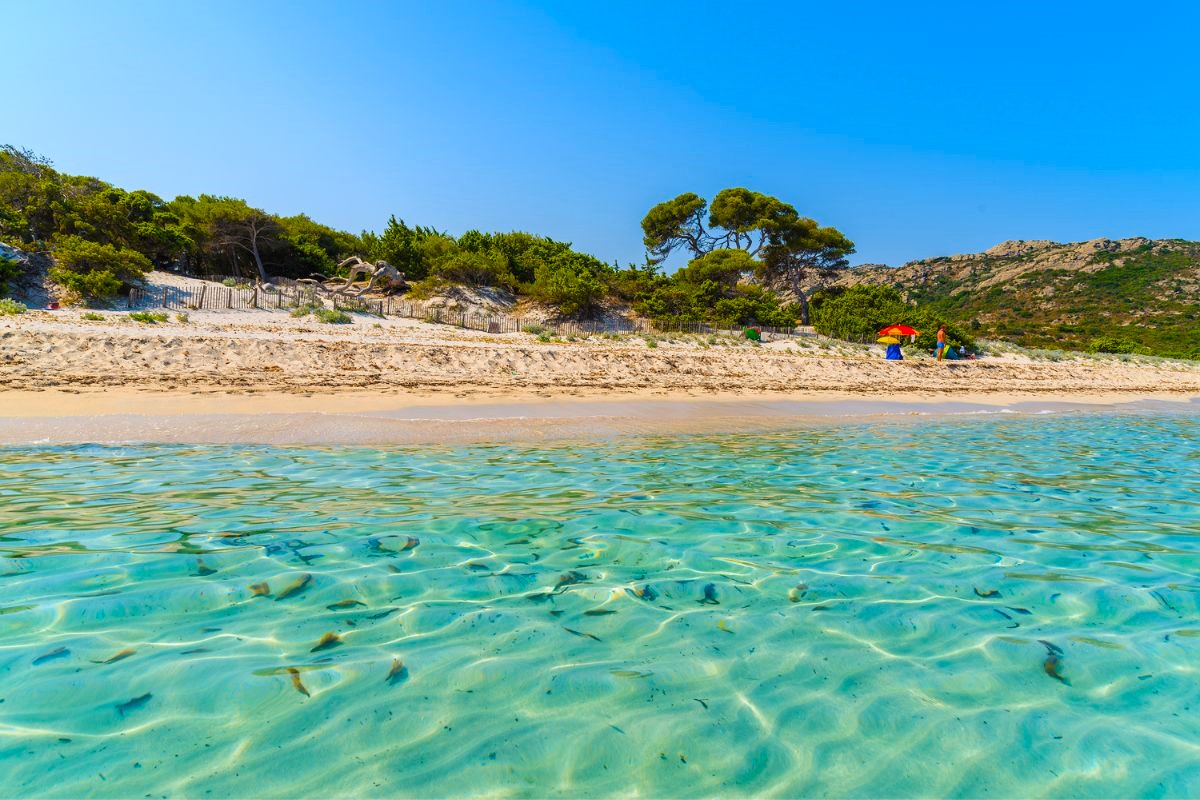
(44, 209)
(103, 237)
(787, 246)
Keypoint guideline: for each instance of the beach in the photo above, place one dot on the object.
(602, 412)
(272, 352)
(442, 562)
(271, 378)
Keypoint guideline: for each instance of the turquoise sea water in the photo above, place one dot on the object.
(980, 606)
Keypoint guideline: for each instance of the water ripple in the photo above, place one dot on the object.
(978, 607)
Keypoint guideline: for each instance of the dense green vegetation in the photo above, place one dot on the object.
(93, 269)
(858, 313)
(780, 246)
(10, 269)
(148, 317)
(10, 307)
(103, 237)
(741, 248)
(1139, 301)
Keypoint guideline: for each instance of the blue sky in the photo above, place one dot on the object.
(917, 129)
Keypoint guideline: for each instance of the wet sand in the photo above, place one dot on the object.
(125, 416)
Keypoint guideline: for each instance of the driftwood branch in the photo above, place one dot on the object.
(380, 270)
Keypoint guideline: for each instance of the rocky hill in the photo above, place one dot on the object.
(1123, 294)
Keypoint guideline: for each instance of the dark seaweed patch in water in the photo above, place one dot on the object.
(569, 578)
(398, 673)
(129, 706)
(56, 653)
(385, 613)
(298, 684)
(581, 633)
(124, 654)
(327, 642)
(295, 587)
(645, 592)
(344, 604)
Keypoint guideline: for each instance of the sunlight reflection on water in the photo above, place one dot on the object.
(979, 606)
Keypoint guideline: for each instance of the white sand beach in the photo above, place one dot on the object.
(267, 377)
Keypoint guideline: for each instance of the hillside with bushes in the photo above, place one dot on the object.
(743, 258)
(95, 240)
(1119, 296)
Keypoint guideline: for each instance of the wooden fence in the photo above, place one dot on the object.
(288, 295)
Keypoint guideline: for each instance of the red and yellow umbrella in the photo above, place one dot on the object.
(899, 330)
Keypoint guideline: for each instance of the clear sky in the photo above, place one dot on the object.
(917, 129)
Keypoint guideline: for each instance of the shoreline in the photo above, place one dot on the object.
(267, 377)
(359, 418)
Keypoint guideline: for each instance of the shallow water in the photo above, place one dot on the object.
(1013, 612)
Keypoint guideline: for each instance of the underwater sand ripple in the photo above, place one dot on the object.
(756, 615)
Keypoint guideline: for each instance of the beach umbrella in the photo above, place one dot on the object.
(888, 340)
(899, 330)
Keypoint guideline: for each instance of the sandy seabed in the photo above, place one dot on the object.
(267, 377)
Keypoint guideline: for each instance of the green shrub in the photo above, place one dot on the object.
(651, 342)
(856, 312)
(331, 317)
(927, 323)
(545, 337)
(754, 305)
(97, 284)
(572, 281)
(92, 316)
(1113, 344)
(182, 317)
(92, 269)
(304, 309)
(148, 317)
(356, 306)
(10, 270)
(533, 329)
(230, 282)
(486, 268)
(10, 307)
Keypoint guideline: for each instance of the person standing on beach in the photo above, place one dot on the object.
(941, 342)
